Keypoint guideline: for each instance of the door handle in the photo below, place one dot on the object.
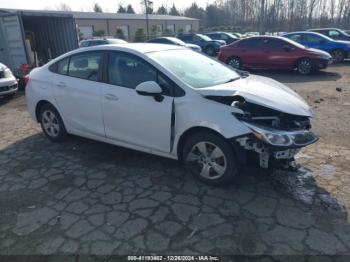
(61, 84)
(111, 97)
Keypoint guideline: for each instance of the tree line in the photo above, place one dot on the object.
(258, 15)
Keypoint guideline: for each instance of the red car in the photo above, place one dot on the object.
(270, 52)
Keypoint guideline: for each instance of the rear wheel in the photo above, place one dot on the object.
(210, 158)
(210, 51)
(304, 66)
(52, 124)
(235, 62)
(338, 55)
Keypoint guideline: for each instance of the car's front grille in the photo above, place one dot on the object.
(7, 88)
(4, 88)
(2, 74)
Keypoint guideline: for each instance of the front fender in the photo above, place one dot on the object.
(208, 114)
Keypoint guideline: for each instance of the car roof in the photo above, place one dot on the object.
(131, 47)
(303, 32)
(263, 37)
(324, 29)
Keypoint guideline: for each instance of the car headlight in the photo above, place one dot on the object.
(283, 138)
(8, 73)
(274, 138)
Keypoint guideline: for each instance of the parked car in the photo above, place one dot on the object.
(338, 49)
(227, 37)
(334, 33)
(101, 41)
(238, 35)
(172, 102)
(174, 41)
(208, 45)
(273, 52)
(8, 83)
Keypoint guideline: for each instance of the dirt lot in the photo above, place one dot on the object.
(91, 198)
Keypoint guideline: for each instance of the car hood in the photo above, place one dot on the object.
(318, 51)
(193, 46)
(343, 42)
(220, 42)
(262, 91)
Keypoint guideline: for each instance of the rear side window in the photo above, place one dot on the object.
(274, 44)
(84, 44)
(85, 66)
(334, 33)
(186, 38)
(312, 38)
(250, 43)
(60, 67)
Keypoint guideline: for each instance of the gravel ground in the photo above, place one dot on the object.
(88, 197)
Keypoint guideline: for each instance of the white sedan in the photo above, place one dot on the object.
(173, 102)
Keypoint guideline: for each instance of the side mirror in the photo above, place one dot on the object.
(150, 88)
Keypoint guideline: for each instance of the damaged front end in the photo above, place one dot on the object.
(276, 136)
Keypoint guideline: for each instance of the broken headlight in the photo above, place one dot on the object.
(283, 138)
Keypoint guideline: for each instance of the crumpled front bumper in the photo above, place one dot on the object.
(269, 153)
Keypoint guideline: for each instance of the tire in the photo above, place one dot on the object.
(235, 62)
(210, 51)
(198, 159)
(52, 124)
(338, 55)
(304, 66)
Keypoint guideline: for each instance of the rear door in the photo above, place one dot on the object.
(251, 53)
(12, 47)
(77, 90)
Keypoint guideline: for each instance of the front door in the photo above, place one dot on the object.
(77, 91)
(132, 118)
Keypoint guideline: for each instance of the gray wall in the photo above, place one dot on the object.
(110, 25)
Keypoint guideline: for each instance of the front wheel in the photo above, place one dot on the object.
(304, 66)
(210, 158)
(210, 51)
(338, 55)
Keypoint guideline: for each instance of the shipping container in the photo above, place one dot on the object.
(35, 37)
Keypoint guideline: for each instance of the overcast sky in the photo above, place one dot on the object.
(86, 5)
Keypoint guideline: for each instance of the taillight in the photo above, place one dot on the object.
(26, 80)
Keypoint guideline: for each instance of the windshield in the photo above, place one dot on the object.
(194, 69)
(292, 42)
(116, 41)
(204, 37)
(177, 41)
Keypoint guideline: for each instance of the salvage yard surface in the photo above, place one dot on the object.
(92, 198)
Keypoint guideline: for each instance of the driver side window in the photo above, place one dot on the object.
(129, 71)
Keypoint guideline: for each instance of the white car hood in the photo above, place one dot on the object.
(262, 91)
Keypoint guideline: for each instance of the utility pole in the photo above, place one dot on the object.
(147, 27)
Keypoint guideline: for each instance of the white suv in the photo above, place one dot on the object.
(8, 83)
(173, 102)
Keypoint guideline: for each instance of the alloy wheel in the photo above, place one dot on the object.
(235, 63)
(208, 160)
(304, 67)
(338, 55)
(50, 123)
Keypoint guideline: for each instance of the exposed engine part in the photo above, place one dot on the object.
(262, 115)
(284, 158)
